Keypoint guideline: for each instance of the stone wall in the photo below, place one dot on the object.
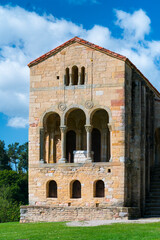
(58, 214)
(140, 140)
(103, 89)
(120, 90)
(112, 174)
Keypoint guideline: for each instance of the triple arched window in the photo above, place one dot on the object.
(74, 77)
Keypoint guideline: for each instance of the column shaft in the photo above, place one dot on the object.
(88, 130)
(51, 152)
(63, 144)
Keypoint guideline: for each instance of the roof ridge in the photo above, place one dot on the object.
(72, 40)
(96, 47)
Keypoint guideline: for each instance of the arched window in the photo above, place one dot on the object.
(76, 189)
(52, 189)
(67, 77)
(99, 189)
(74, 75)
(82, 75)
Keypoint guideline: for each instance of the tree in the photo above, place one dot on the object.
(18, 155)
(4, 159)
(13, 153)
(13, 193)
(18, 183)
(23, 157)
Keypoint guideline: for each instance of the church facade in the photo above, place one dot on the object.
(94, 136)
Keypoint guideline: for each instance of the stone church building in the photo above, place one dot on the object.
(94, 137)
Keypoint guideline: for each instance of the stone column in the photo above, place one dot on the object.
(88, 130)
(70, 79)
(47, 147)
(63, 144)
(79, 78)
(51, 152)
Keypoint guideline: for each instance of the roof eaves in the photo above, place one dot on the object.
(69, 42)
(146, 79)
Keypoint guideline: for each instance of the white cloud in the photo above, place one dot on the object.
(18, 122)
(27, 35)
(135, 25)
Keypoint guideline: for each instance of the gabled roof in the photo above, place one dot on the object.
(95, 47)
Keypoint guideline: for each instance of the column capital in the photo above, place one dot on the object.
(63, 128)
(88, 128)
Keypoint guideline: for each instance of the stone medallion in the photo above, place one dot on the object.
(62, 106)
(89, 104)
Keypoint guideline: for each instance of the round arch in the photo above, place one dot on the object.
(75, 189)
(48, 112)
(96, 108)
(101, 135)
(50, 140)
(98, 188)
(72, 108)
(51, 189)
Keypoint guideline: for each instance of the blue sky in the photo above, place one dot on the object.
(30, 28)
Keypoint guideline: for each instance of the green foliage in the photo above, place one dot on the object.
(18, 184)
(23, 157)
(4, 159)
(13, 184)
(9, 210)
(18, 155)
(13, 193)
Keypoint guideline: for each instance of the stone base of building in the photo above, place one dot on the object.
(59, 214)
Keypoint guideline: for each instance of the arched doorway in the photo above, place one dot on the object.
(70, 145)
(96, 145)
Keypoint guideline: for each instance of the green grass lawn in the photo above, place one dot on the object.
(59, 231)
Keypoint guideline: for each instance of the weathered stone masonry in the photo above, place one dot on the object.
(91, 136)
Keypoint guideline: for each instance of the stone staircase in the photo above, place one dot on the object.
(152, 207)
